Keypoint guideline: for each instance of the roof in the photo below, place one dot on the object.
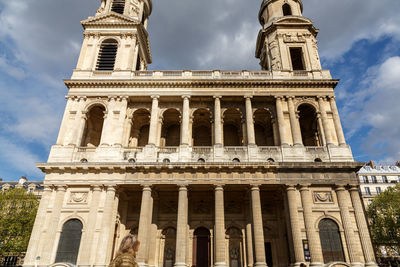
(383, 169)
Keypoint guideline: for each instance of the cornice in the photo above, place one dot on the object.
(174, 167)
(226, 83)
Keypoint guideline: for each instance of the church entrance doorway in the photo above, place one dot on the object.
(201, 248)
(268, 254)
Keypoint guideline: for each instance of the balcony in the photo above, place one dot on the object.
(200, 154)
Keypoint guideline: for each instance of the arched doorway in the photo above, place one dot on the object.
(331, 241)
(201, 132)
(169, 236)
(201, 247)
(93, 127)
(233, 135)
(70, 240)
(171, 129)
(263, 128)
(309, 125)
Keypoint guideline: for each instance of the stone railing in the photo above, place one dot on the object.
(12, 260)
(168, 149)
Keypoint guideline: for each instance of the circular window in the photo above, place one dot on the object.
(131, 160)
(84, 161)
(166, 161)
(318, 160)
(236, 160)
(200, 160)
(270, 160)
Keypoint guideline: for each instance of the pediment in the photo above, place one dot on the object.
(109, 19)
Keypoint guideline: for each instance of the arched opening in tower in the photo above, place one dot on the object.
(233, 134)
(93, 127)
(171, 129)
(201, 130)
(263, 128)
(309, 125)
(118, 6)
(287, 10)
(107, 55)
(139, 136)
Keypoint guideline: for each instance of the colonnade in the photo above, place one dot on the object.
(294, 138)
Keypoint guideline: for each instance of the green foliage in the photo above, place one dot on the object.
(17, 215)
(384, 215)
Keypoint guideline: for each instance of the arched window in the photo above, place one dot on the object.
(107, 55)
(287, 10)
(235, 246)
(201, 130)
(309, 125)
(94, 127)
(169, 236)
(171, 130)
(70, 240)
(233, 135)
(263, 128)
(118, 6)
(331, 242)
(201, 247)
(139, 136)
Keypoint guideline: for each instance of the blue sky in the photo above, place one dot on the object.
(40, 42)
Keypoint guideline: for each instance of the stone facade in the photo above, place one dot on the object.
(208, 168)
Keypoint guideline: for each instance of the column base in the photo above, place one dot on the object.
(260, 264)
(316, 264)
(143, 264)
(297, 264)
(371, 264)
(180, 264)
(357, 264)
(220, 264)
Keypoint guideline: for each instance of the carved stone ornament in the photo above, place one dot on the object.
(168, 207)
(202, 207)
(294, 38)
(233, 207)
(134, 8)
(322, 197)
(78, 198)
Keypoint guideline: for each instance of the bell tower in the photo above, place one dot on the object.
(115, 41)
(287, 41)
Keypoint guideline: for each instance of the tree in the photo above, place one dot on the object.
(384, 215)
(17, 215)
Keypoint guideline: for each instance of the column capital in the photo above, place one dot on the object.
(321, 98)
(279, 97)
(110, 188)
(304, 187)
(217, 97)
(354, 187)
(96, 188)
(183, 187)
(290, 97)
(219, 187)
(186, 96)
(146, 187)
(255, 187)
(61, 188)
(331, 97)
(155, 97)
(340, 187)
(291, 188)
(248, 96)
(47, 188)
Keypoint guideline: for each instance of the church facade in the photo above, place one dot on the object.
(208, 168)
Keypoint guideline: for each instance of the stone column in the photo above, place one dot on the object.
(321, 130)
(258, 228)
(32, 251)
(363, 228)
(181, 231)
(281, 121)
(108, 124)
(153, 121)
(107, 225)
(312, 235)
(336, 121)
(325, 122)
(294, 123)
(275, 132)
(118, 131)
(87, 242)
(251, 139)
(49, 245)
(65, 121)
(249, 236)
(219, 228)
(294, 223)
(217, 120)
(185, 137)
(344, 204)
(144, 223)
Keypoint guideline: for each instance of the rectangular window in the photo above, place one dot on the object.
(365, 179)
(296, 55)
(398, 178)
(367, 191)
(378, 190)
(384, 179)
(373, 179)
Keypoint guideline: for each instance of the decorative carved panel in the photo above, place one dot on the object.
(78, 198)
(322, 197)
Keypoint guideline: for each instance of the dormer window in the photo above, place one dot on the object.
(287, 10)
(107, 55)
(118, 6)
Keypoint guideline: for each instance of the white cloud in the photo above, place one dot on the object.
(17, 157)
(11, 70)
(373, 111)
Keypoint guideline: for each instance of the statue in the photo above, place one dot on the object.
(102, 7)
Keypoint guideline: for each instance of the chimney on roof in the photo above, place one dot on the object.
(371, 164)
(22, 180)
